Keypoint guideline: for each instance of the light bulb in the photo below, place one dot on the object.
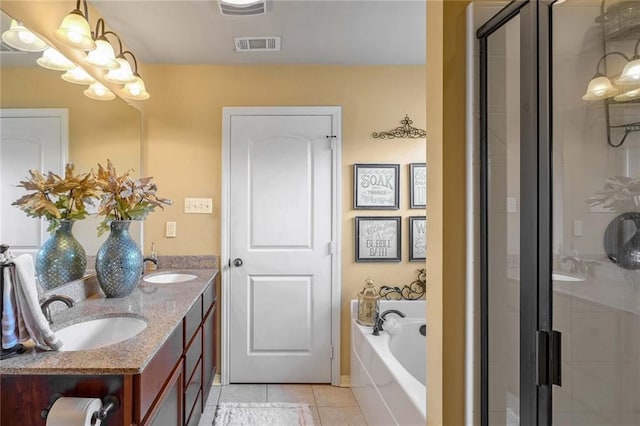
(74, 31)
(78, 76)
(26, 36)
(19, 37)
(121, 75)
(600, 87)
(54, 60)
(135, 91)
(630, 73)
(99, 92)
(102, 56)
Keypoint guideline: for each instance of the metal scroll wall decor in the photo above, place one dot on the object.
(404, 131)
(413, 291)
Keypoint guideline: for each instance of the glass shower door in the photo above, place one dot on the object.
(503, 224)
(596, 213)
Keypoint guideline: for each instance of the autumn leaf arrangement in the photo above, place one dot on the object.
(118, 197)
(620, 194)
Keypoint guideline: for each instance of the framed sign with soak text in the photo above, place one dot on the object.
(378, 238)
(375, 186)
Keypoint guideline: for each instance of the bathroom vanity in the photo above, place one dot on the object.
(161, 376)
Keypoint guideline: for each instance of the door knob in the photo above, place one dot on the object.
(237, 262)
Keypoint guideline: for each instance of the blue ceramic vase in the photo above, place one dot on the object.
(61, 258)
(119, 261)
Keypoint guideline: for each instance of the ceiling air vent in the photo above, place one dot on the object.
(257, 44)
(242, 7)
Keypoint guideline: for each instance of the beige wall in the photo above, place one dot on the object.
(183, 129)
(446, 211)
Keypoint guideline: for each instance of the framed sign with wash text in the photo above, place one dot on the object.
(375, 186)
(418, 185)
(378, 239)
(417, 238)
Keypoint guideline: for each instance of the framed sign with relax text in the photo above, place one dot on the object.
(418, 185)
(378, 238)
(375, 186)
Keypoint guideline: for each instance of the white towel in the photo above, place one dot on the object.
(31, 321)
(9, 325)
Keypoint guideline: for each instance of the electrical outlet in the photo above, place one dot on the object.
(198, 205)
(170, 230)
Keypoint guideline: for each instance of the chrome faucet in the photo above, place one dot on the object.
(55, 298)
(580, 266)
(380, 318)
(149, 259)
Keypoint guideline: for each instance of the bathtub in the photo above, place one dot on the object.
(388, 372)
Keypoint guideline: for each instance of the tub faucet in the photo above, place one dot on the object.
(380, 318)
(55, 298)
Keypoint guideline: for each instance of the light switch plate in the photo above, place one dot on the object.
(198, 205)
(170, 230)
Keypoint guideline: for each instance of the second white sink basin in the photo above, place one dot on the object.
(99, 333)
(566, 278)
(168, 278)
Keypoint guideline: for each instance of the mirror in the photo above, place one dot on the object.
(97, 130)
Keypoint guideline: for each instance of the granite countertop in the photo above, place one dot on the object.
(162, 305)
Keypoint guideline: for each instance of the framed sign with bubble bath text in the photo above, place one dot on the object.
(378, 239)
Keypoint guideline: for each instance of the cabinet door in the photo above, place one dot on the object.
(168, 410)
(209, 350)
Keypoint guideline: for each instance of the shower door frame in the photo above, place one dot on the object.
(537, 353)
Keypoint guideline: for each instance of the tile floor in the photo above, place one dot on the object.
(330, 406)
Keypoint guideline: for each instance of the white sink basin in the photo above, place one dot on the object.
(99, 333)
(168, 278)
(566, 278)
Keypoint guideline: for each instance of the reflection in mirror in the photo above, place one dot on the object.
(97, 131)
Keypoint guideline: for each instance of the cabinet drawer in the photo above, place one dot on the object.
(193, 389)
(196, 412)
(192, 354)
(147, 385)
(192, 320)
(208, 297)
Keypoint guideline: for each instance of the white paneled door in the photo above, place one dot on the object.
(29, 139)
(280, 248)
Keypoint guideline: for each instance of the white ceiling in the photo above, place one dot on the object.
(351, 32)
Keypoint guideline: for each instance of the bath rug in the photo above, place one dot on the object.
(258, 414)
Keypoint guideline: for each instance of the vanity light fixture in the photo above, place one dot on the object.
(18, 37)
(99, 92)
(78, 75)
(74, 30)
(631, 71)
(135, 90)
(629, 95)
(123, 74)
(103, 55)
(600, 86)
(54, 60)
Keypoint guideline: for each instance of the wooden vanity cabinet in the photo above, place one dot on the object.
(171, 390)
(196, 362)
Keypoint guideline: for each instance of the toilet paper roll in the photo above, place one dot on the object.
(70, 411)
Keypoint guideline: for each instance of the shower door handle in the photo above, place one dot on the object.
(556, 358)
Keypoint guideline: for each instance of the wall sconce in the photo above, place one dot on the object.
(74, 30)
(404, 131)
(18, 37)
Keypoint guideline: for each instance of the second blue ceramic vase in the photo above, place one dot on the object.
(119, 261)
